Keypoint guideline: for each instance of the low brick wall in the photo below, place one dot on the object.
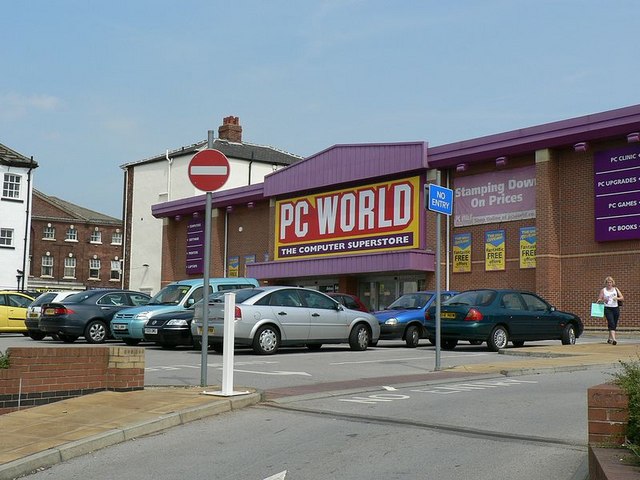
(37, 376)
(608, 414)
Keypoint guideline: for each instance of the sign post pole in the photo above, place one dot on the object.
(205, 287)
(441, 202)
(208, 171)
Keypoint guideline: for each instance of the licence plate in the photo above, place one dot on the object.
(119, 326)
(447, 315)
(210, 329)
(151, 331)
(33, 315)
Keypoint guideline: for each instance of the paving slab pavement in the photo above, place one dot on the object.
(42, 436)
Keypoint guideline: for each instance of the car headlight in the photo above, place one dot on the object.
(176, 322)
(391, 321)
(142, 316)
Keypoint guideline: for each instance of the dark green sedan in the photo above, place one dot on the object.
(500, 316)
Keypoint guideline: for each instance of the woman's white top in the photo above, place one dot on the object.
(610, 297)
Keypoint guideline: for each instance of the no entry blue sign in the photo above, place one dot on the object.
(440, 199)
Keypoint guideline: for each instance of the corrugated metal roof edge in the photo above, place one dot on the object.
(564, 132)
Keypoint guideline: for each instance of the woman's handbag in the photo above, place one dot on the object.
(597, 310)
(619, 301)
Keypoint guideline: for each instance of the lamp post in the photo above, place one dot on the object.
(19, 276)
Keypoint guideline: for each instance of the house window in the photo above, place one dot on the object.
(96, 236)
(47, 267)
(72, 235)
(11, 186)
(116, 238)
(6, 237)
(115, 270)
(94, 268)
(49, 233)
(69, 267)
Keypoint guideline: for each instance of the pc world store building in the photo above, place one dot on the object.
(552, 209)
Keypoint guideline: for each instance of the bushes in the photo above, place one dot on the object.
(629, 380)
(4, 360)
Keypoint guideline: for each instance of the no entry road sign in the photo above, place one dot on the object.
(440, 199)
(209, 170)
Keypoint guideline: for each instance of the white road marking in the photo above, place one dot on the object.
(277, 476)
(389, 389)
(273, 373)
(407, 358)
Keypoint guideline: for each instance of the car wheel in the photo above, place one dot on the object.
(217, 347)
(432, 340)
(475, 342)
(412, 336)
(36, 335)
(359, 338)
(449, 343)
(518, 343)
(96, 332)
(569, 335)
(67, 338)
(131, 342)
(266, 341)
(197, 344)
(314, 347)
(498, 339)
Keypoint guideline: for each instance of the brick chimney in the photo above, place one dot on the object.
(230, 130)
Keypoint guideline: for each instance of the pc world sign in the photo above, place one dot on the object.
(209, 170)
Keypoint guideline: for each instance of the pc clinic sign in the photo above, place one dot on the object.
(617, 194)
(370, 218)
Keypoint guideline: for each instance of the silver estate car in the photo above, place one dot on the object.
(267, 318)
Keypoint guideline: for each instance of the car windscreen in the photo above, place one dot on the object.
(472, 297)
(170, 295)
(44, 298)
(410, 301)
(77, 297)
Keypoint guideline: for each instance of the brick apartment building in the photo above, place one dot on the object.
(73, 248)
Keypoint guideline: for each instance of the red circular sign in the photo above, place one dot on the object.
(209, 170)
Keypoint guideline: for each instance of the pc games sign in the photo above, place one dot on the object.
(617, 194)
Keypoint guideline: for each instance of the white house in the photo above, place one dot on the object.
(16, 172)
(165, 178)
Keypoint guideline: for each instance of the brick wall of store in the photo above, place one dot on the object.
(249, 233)
(571, 265)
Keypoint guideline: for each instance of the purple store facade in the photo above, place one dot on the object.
(550, 209)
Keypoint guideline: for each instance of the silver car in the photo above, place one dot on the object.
(267, 318)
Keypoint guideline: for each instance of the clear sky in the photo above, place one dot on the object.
(89, 85)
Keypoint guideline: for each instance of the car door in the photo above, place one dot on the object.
(327, 322)
(289, 311)
(4, 312)
(111, 303)
(544, 324)
(518, 318)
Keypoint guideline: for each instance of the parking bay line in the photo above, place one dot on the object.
(406, 358)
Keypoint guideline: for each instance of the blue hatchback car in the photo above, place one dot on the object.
(405, 317)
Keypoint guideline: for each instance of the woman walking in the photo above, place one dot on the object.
(612, 299)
